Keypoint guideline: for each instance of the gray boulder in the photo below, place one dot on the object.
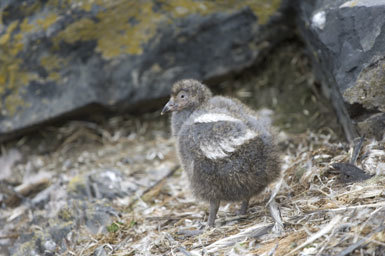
(346, 40)
(60, 57)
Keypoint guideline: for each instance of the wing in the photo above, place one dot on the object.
(260, 120)
(219, 134)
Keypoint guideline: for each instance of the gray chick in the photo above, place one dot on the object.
(226, 150)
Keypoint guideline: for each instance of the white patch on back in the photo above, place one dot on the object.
(215, 117)
(212, 152)
(216, 150)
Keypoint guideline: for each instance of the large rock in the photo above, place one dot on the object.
(346, 40)
(60, 56)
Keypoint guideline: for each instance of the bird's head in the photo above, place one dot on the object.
(187, 94)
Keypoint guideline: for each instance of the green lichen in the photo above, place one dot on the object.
(114, 227)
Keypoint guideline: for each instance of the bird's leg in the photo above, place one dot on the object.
(214, 206)
(244, 206)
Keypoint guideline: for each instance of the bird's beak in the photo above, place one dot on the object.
(170, 106)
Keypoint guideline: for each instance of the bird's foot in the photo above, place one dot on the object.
(214, 206)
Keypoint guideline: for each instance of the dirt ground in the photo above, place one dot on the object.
(318, 211)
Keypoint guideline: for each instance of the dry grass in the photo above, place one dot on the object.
(320, 215)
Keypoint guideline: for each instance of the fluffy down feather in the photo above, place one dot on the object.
(226, 149)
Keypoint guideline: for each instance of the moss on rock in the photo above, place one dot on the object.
(369, 90)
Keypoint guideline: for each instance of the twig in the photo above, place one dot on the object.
(33, 187)
(169, 174)
(172, 217)
(352, 247)
(254, 231)
(276, 214)
(272, 251)
(275, 190)
(188, 233)
(356, 149)
(372, 240)
(356, 207)
(230, 219)
(326, 229)
(184, 251)
(335, 210)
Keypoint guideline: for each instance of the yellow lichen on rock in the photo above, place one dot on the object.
(119, 27)
(47, 21)
(124, 27)
(77, 183)
(182, 8)
(13, 77)
(369, 90)
(264, 9)
(52, 63)
(12, 102)
(26, 27)
(5, 38)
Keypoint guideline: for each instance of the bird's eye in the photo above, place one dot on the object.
(182, 96)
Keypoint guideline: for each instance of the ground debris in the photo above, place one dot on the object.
(113, 186)
(350, 173)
